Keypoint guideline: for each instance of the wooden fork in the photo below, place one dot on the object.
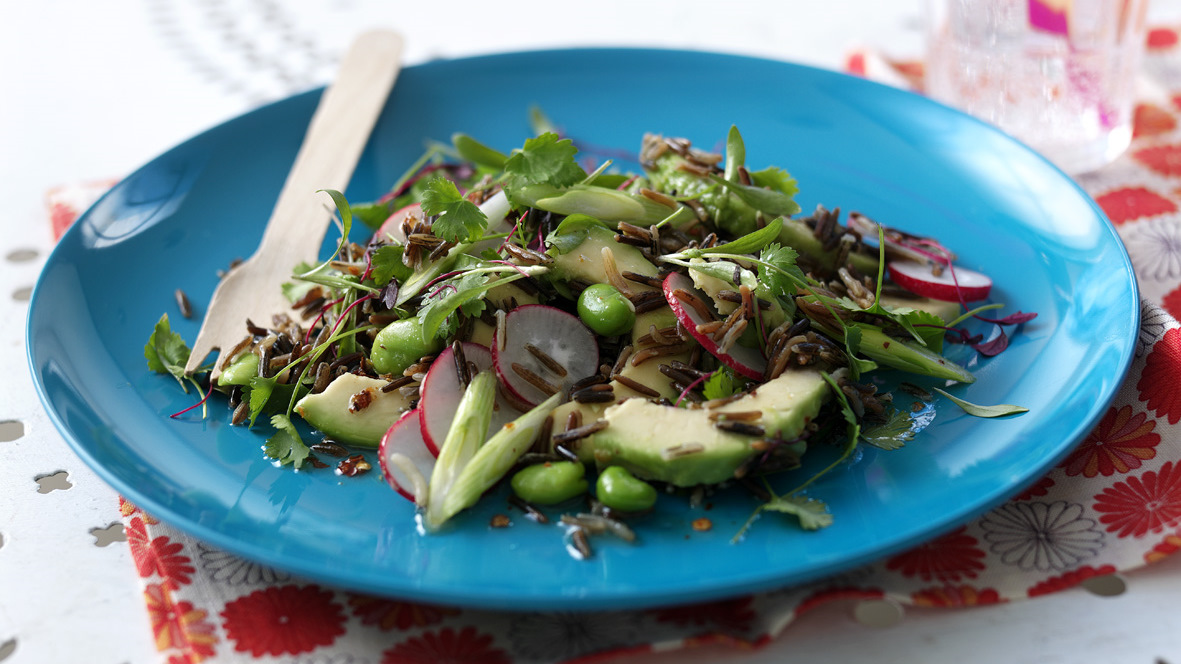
(336, 135)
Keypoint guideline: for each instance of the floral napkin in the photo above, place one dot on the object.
(1112, 505)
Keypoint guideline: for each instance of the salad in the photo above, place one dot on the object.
(599, 339)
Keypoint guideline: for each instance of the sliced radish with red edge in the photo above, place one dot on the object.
(950, 284)
(557, 335)
(405, 461)
(442, 391)
(392, 226)
(746, 361)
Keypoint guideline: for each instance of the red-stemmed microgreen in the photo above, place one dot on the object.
(201, 403)
(689, 388)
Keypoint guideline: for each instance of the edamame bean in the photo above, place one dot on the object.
(399, 345)
(241, 370)
(605, 310)
(550, 483)
(620, 490)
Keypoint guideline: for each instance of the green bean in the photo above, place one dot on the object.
(550, 483)
(618, 489)
(605, 310)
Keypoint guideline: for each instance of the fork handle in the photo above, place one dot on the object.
(336, 136)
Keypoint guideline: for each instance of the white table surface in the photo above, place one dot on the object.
(90, 90)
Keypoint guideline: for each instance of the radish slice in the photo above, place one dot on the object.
(746, 361)
(918, 279)
(405, 461)
(552, 333)
(392, 226)
(442, 390)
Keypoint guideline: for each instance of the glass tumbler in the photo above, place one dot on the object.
(1058, 75)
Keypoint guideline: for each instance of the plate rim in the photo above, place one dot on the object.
(557, 600)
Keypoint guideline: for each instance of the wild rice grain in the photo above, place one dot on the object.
(581, 544)
(692, 300)
(330, 448)
(580, 432)
(741, 428)
(533, 379)
(460, 360)
(621, 361)
(573, 420)
(681, 450)
(638, 387)
(400, 381)
(323, 377)
(736, 415)
(549, 362)
(642, 279)
(240, 413)
(612, 272)
(182, 303)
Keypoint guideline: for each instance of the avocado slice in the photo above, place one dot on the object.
(684, 447)
(577, 246)
(788, 403)
(648, 439)
(646, 373)
(338, 412)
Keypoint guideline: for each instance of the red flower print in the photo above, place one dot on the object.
(446, 647)
(1120, 443)
(1130, 203)
(158, 556)
(953, 557)
(1151, 120)
(1164, 549)
(955, 596)
(1145, 503)
(1172, 302)
(832, 594)
(179, 626)
(1161, 38)
(388, 614)
(1069, 579)
(1164, 159)
(1158, 384)
(127, 509)
(1039, 489)
(283, 620)
(734, 615)
(61, 215)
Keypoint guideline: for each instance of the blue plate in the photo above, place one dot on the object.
(897, 157)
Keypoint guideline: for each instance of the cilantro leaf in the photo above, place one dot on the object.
(387, 264)
(260, 392)
(719, 385)
(286, 446)
(166, 351)
(929, 327)
(812, 513)
(778, 270)
(777, 179)
(460, 220)
(547, 159)
(999, 410)
(892, 434)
